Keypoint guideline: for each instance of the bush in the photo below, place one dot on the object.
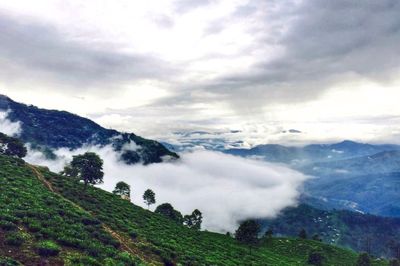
(7, 226)
(394, 262)
(48, 248)
(4, 261)
(315, 258)
(364, 260)
(133, 234)
(15, 239)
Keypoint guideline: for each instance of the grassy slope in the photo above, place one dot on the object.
(90, 235)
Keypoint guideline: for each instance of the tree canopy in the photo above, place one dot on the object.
(122, 189)
(168, 211)
(88, 167)
(149, 197)
(247, 232)
(193, 220)
(12, 146)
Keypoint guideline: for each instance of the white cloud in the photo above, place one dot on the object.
(7, 127)
(225, 188)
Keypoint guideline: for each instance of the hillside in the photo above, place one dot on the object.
(361, 232)
(95, 227)
(52, 129)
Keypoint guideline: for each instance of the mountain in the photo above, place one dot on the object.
(47, 219)
(51, 129)
(346, 175)
(298, 156)
(361, 232)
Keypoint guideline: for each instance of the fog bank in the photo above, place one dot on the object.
(226, 189)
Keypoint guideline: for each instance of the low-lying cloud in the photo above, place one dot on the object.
(225, 188)
(7, 127)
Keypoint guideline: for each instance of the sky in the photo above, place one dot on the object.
(287, 71)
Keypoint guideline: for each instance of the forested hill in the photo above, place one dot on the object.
(52, 129)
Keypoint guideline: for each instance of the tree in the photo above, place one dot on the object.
(12, 146)
(269, 233)
(315, 258)
(122, 189)
(168, 211)
(394, 262)
(149, 197)
(363, 260)
(194, 220)
(303, 234)
(69, 171)
(88, 167)
(247, 233)
(316, 237)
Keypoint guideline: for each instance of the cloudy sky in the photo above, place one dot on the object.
(329, 69)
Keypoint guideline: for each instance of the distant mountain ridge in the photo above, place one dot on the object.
(53, 129)
(348, 175)
(312, 153)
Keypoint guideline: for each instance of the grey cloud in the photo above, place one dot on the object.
(31, 50)
(184, 6)
(326, 42)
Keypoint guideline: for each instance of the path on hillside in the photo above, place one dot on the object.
(106, 228)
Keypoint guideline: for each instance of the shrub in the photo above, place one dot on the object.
(394, 262)
(7, 226)
(15, 239)
(133, 234)
(4, 261)
(363, 260)
(315, 258)
(48, 248)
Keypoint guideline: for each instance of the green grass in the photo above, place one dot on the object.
(75, 222)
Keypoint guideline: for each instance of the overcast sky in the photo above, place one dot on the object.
(329, 69)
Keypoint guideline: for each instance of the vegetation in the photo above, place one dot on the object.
(11, 146)
(364, 260)
(122, 189)
(149, 197)
(52, 129)
(248, 232)
(88, 167)
(168, 211)
(193, 220)
(94, 227)
(361, 232)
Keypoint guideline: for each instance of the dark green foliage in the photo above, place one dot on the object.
(364, 260)
(193, 220)
(269, 233)
(149, 197)
(168, 211)
(15, 239)
(56, 129)
(11, 146)
(122, 189)
(89, 167)
(4, 261)
(26, 203)
(247, 233)
(316, 237)
(394, 262)
(79, 233)
(315, 258)
(48, 248)
(358, 231)
(303, 234)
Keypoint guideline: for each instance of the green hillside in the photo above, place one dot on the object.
(45, 217)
